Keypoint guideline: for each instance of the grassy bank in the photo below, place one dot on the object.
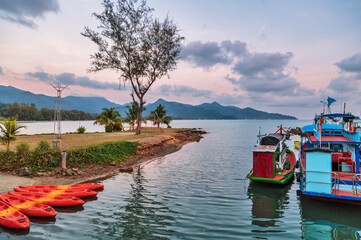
(49, 159)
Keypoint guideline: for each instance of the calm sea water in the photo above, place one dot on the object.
(199, 192)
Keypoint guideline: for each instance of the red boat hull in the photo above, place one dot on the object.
(66, 187)
(60, 192)
(49, 200)
(28, 207)
(11, 218)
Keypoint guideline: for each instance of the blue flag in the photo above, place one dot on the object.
(330, 101)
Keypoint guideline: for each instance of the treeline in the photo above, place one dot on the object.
(29, 112)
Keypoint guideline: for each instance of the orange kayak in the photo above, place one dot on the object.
(49, 200)
(60, 192)
(11, 218)
(28, 207)
(66, 187)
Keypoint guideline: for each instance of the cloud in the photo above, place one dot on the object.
(1, 71)
(351, 64)
(262, 63)
(181, 90)
(72, 79)
(23, 12)
(209, 54)
(204, 54)
(346, 84)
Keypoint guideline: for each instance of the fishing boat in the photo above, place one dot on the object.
(273, 161)
(330, 159)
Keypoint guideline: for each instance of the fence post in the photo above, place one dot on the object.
(63, 160)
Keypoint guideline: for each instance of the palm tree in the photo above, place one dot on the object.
(132, 114)
(9, 129)
(110, 118)
(158, 116)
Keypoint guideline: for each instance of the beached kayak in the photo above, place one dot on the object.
(61, 193)
(49, 199)
(28, 207)
(11, 218)
(66, 187)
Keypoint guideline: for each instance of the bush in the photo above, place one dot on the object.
(81, 130)
(42, 146)
(22, 149)
(109, 128)
(47, 160)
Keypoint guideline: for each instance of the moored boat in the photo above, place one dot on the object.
(273, 162)
(89, 186)
(28, 207)
(61, 193)
(49, 199)
(330, 159)
(11, 218)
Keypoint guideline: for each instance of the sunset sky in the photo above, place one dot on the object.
(276, 56)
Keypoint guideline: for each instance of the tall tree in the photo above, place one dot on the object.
(158, 116)
(9, 129)
(110, 118)
(140, 48)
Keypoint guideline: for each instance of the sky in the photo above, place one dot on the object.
(272, 55)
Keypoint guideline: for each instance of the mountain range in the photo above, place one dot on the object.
(177, 110)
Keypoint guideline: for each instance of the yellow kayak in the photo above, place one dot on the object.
(297, 144)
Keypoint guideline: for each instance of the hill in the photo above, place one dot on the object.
(177, 110)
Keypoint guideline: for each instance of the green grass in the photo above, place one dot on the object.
(48, 160)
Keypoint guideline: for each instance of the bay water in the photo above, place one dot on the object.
(199, 192)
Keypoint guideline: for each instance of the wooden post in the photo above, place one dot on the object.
(63, 160)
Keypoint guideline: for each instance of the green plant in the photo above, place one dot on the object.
(22, 149)
(9, 129)
(47, 160)
(81, 130)
(109, 128)
(109, 117)
(42, 146)
(158, 116)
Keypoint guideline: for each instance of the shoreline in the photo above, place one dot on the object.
(150, 149)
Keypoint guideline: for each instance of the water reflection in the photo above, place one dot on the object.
(268, 204)
(144, 216)
(42, 220)
(139, 215)
(13, 231)
(69, 209)
(324, 220)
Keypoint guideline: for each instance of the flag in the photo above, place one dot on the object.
(330, 101)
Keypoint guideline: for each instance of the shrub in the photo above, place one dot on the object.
(81, 130)
(22, 149)
(42, 146)
(47, 160)
(109, 128)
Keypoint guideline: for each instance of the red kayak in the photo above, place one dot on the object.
(66, 187)
(49, 200)
(11, 218)
(28, 207)
(60, 193)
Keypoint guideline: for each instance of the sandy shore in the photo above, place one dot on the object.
(151, 147)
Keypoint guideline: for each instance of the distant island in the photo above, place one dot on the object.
(94, 105)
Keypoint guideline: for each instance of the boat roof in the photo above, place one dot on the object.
(272, 139)
(333, 139)
(335, 115)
